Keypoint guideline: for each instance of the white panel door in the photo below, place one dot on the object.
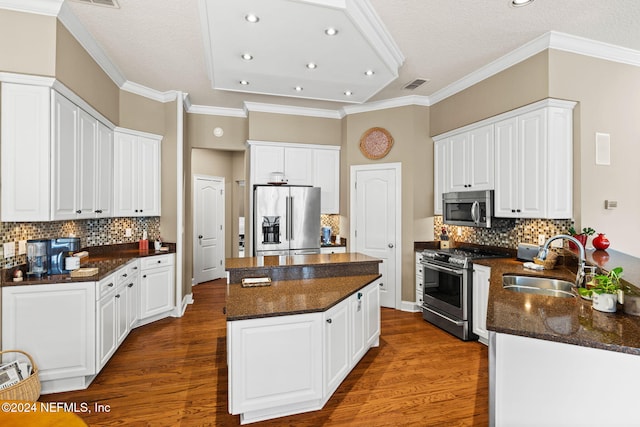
(375, 227)
(208, 252)
(87, 154)
(125, 175)
(149, 177)
(65, 159)
(104, 172)
(298, 165)
(480, 155)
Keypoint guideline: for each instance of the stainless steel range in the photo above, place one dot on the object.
(448, 275)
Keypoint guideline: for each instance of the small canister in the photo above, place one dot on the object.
(71, 263)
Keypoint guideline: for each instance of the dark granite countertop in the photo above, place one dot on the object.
(566, 320)
(106, 258)
(333, 244)
(290, 297)
(297, 260)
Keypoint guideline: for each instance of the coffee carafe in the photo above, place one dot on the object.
(37, 257)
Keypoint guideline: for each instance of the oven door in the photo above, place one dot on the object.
(444, 288)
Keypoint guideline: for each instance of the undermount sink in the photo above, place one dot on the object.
(538, 285)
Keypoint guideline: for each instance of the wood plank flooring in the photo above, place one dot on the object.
(173, 373)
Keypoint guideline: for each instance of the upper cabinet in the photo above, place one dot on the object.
(302, 164)
(534, 163)
(136, 173)
(525, 155)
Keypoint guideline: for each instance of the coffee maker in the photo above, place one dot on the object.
(37, 257)
(58, 250)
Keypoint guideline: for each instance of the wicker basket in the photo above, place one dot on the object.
(27, 389)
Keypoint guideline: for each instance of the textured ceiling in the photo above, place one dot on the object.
(159, 43)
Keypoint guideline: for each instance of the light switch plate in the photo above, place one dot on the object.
(9, 249)
(22, 247)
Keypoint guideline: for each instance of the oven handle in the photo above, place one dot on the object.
(441, 268)
(456, 322)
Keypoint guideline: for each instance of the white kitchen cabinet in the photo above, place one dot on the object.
(419, 280)
(372, 315)
(65, 158)
(302, 164)
(25, 153)
(480, 299)
(326, 175)
(157, 285)
(136, 173)
(133, 295)
(357, 308)
(534, 158)
(103, 167)
(337, 348)
(127, 285)
(333, 250)
(55, 324)
(440, 181)
(470, 160)
(106, 321)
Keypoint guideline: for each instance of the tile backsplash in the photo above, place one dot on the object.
(506, 233)
(92, 232)
(332, 221)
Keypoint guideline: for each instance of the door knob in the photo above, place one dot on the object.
(390, 245)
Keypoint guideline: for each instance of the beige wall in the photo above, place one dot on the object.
(168, 179)
(80, 73)
(514, 87)
(609, 102)
(200, 132)
(288, 128)
(143, 114)
(409, 127)
(27, 32)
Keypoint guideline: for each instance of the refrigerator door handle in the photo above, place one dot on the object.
(290, 217)
(286, 212)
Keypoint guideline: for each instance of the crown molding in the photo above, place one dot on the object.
(295, 111)
(217, 111)
(387, 103)
(147, 92)
(27, 79)
(86, 40)
(596, 49)
(40, 7)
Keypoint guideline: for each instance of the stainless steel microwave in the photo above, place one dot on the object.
(468, 208)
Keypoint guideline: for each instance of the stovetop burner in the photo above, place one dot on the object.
(460, 256)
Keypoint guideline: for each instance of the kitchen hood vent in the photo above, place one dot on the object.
(415, 84)
(106, 3)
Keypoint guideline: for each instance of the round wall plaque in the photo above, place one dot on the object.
(376, 143)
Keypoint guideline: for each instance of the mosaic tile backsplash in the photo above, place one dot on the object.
(92, 232)
(506, 233)
(332, 221)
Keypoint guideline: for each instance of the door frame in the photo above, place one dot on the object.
(221, 180)
(397, 168)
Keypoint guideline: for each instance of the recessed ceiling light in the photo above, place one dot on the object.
(244, 82)
(312, 65)
(519, 3)
(348, 92)
(298, 88)
(369, 73)
(247, 56)
(251, 18)
(331, 31)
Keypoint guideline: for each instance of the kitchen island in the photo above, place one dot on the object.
(577, 365)
(291, 344)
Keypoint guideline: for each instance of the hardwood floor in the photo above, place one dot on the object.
(173, 373)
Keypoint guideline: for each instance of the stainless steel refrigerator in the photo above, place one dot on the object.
(286, 220)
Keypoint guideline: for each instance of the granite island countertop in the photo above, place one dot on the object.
(566, 320)
(106, 258)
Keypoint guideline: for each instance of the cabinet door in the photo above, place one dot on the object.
(358, 325)
(65, 158)
(326, 175)
(88, 155)
(149, 177)
(480, 158)
(480, 298)
(419, 281)
(264, 161)
(25, 135)
(337, 346)
(298, 165)
(125, 174)
(440, 183)
(156, 291)
(107, 327)
(133, 301)
(372, 313)
(122, 322)
(506, 168)
(457, 161)
(53, 323)
(104, 172)
(532, 161)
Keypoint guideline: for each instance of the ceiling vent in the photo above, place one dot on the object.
(415, 84)
(106, 3)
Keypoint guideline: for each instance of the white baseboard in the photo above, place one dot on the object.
(410, 306)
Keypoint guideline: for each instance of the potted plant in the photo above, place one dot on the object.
(582, 236)
(604, 291)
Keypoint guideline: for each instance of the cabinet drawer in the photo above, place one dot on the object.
(106, 286)
(156, 261)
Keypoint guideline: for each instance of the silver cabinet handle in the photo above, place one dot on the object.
(390, 245)
(329, 320)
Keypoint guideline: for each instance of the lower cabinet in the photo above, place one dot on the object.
(56, 325)
(291, 364)
(480, 298)
(106, 321)
(419, 281)
(156, 286)
(333, 250)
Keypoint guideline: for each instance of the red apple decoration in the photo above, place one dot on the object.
(601, 242)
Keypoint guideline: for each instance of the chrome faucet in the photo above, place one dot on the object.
(542, 255)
